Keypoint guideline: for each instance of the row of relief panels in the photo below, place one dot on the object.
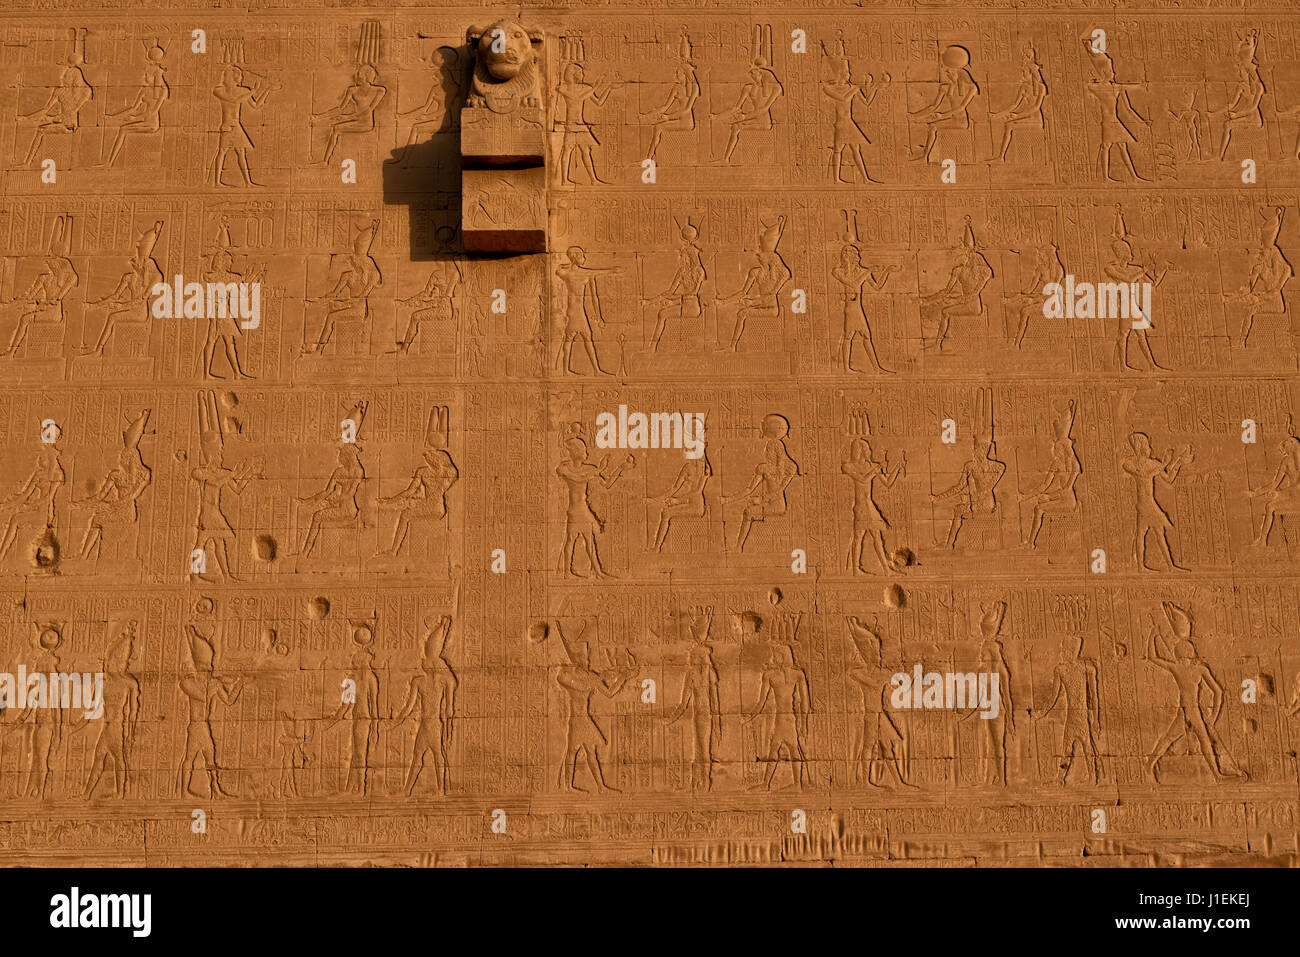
(514, 693)
(1039, 99)
(676, 288)
(148, 485)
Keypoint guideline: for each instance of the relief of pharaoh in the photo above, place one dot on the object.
(505, 67)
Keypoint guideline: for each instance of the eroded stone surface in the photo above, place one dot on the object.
(607, 430)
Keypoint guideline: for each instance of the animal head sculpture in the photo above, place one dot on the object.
(506, 69)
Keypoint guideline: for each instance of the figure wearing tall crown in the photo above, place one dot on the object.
(34, 499)
(995, 726)
(1263, 292)
(42, 302)
(1113, 100)
(760, 293)
(1056, 494)
(975, 491)
(678, 110)
(349, 298)
(431, 698)
(336, 505)
(115, 501)
(1131, 266)
(357, 106)
(1242, 112)
(203, 687)
(129, 301)
(425, 496)
(144, 115)
(121, 710)
(962, 295)
(223, 329)
(214, 535)
(1192, 715)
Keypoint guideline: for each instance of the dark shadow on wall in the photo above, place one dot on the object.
(424, 174)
